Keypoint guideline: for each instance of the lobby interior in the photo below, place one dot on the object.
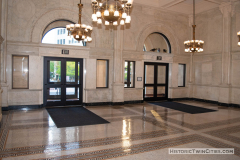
(130, 75)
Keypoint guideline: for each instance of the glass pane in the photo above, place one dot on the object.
(161, 91)
(60, 36)
(149, 74)
(156, 42)
(20, 72)
(102, 73)
(125, 74)
(72, 93)
(70, 71)
(181, 68)
(54, 94)
(131, 74)
(78, 73)
(149, 92)
(161, 74)
(55, 71)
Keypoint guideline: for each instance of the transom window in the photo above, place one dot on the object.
(157, 42)
(60, 36)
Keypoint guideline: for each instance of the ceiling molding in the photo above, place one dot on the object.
(214, 1)
(172, 3)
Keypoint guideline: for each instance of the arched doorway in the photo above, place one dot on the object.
(156, 74)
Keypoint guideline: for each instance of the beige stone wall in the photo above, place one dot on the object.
(27, 20)
(0, 58)
(216, 73)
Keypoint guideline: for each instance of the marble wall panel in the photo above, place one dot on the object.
(178, 92)
(235, 27)
(236, 72)
(35, 72)
(209, 29)
(98, 95)
(131, 94)
(24, 97)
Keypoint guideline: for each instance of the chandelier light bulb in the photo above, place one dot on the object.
(124, 15)
(95, 19)
(94, 16)
(100, 4)
(84, 26)
(83, 37)
(77, 25)
(129, 2)
(106, 13)
(115, 23)
(127, 21)
(122, 22)
(98, 14)
(77, 36)
(71, 26)
(99, 21)
(68, 27)
(116, 14)
(106, 23)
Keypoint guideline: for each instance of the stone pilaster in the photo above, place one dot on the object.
(118, 86)
(227, 10)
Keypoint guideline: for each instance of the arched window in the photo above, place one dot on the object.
(157, 42)
(56, 33)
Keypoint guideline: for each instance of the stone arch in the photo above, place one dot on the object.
(37, 28)
(159, 28)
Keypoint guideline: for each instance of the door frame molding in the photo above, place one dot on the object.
(80, 85)
(155, 80)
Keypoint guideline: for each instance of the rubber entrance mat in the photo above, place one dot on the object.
(183, 107)
(74, 116)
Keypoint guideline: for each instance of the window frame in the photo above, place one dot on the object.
(184, 75)
(128, 75)
(13, 71)
(107, 77)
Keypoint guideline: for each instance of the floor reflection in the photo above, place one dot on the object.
(126, 132)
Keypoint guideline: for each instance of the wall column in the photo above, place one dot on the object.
(118, 85)
(224, 92)
(1, 41)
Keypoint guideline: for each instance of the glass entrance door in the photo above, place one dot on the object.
(62, 81)
(155, 81)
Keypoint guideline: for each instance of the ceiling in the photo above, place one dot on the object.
(183, 6)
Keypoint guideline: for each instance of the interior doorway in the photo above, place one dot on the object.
(155, 81)
(63, 79)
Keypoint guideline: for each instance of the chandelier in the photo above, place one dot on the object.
(238, 38)
(194, 45)
(80, 31)
(111, 11)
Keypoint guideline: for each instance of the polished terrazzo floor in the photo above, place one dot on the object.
(136, 131)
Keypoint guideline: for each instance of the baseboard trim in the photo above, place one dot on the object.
(208, 101)
(20, 107)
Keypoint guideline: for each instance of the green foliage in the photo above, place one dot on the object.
(70, 70)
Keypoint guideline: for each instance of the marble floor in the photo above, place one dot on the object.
(136, 131)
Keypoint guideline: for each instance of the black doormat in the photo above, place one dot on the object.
(183, 107)
(74, 116)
